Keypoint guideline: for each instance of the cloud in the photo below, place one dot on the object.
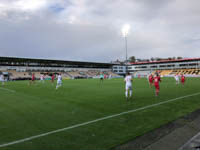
(90, 30)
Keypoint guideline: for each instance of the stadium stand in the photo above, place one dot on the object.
(190, 67)
(22, 68)
(165, 72)
(142, 73)
(113, 74)
(185, 72)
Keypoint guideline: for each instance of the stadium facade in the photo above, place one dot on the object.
(189, 67)
(166, 65)
(186, 66)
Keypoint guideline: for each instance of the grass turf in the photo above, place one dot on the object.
(39, 108)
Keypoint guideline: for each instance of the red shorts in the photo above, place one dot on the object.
(151, 81)
(182, 81)
(33, 79)
(157, 87)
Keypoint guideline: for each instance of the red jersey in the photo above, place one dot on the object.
(157, 80)
(52, 77)
(150, 79)
(33, 77)
(182, 78)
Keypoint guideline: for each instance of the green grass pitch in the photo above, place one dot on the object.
(36, 109)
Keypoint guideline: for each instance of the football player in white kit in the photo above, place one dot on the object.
(42, 78)
(128, 81)
(2, 80)
(59, 81)
(176, 77)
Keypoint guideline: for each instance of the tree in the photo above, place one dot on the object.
(179, 57)
(152, 59)
(132, 59)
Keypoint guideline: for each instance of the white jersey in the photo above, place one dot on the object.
(176, 77)
(128, 80)
(2, 78)
(59, 78)
(42, 77)
(59, 81)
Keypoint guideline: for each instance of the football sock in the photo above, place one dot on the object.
(126, 93)
(130, 93)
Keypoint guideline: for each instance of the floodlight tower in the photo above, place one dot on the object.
(125, 30)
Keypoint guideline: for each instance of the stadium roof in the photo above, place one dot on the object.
(167, 61)
(47, 60)
(23, 61)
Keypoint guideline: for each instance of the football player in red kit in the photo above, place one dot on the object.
(52, 78)
(156, 84)
(32, 78)
(151, 80)
(182, 79)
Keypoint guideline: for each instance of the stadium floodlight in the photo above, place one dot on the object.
(125, 30)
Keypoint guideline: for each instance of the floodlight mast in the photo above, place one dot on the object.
(125, 30)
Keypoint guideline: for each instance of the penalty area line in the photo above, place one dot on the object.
(94, 121)
(9, 90)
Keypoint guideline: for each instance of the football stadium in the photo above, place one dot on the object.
(99, 75)
(86, 113)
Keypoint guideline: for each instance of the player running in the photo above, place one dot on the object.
(2, 79)
(42, 78)
(110, 76)
(176, 77)
(182, 79)
(32, 79)
(156, 84)
(128, 80)
(52, 78)
(150, 78)
(59, 81)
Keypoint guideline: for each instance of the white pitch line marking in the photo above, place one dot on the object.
(9, 90)
(93, 121)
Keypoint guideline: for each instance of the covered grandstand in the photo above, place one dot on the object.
(22, 68)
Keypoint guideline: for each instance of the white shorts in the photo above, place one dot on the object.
(59, 82)
(128, 86)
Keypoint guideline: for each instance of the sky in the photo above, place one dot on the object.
(90, 30)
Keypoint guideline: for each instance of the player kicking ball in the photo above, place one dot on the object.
(156, 84)
(128, 80)
(59, 81)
